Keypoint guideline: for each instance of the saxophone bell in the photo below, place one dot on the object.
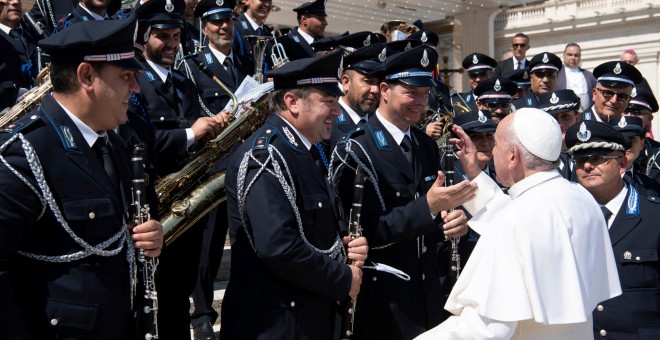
(258, 44)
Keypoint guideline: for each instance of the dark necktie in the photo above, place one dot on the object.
(520, 65)
(260, 31)
(230, 69)
(103, 150)
(17, 33)
(171, 89)
(606, 213)
(407, 147)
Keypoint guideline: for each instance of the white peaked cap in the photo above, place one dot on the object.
(538, 132)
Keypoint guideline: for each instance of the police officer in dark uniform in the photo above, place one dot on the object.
(169, 99)
(13, 30)
(311, 20)
(643, 104)
(67, 259)
(10, 74)
(615, 81)
(543, 70)
(479, 67)
(252, 22)
(217, 57)
(632, 217)
(494, 95)
(403, 217)
(631, 128)
(564, 106)
(521, 78)
(287, 274)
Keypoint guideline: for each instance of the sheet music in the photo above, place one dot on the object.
(249, 91)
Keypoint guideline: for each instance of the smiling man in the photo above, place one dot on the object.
(311, 26)
(287, 270)
(405, 216)
(252, 22)
(613, 91)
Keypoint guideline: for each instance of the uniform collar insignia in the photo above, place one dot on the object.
(583, 134)
(554, 99)
(383, 55)
(367, 41)
(408, 47)
(289, 136)
(149, 75)
(425, 59)
(68, 137)
(245, 25)
(525, 75)
(475, 60)
(84, 18)
(341, 118)
(482, 118)
(209, 58)
(497, 86)
(632, 206)
(617, 69)
(380, 139)
(622, 122)
(295, 38)
(545, 58)
(634, 92)
(169, 7)
(424, 38)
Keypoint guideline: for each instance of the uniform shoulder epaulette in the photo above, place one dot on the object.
(22, 123)
(262, 141)
(352, 134)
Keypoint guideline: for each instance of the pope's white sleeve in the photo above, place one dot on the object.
(487, 191)
(469, 325)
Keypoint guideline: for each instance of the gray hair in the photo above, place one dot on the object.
(277, 103)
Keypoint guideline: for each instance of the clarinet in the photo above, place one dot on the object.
(354, 231)
(148, 314)
(455, 260)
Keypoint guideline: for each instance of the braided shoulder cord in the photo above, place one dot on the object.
(336, 251)
(369, 171)
(199, 98)
(652, 163)
(122, 235)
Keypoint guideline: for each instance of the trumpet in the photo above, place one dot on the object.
(459, 108)
(258, 50)
(278, 54)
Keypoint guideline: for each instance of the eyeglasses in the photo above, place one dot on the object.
(638, 112)
(495, 106)
(594, 160)
(607, 94)
(543, 74)
(518, 45)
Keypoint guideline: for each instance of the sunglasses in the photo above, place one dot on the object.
(477, 75)
(543, 74)
(495, 106)
(519, 45)
(594, 160)
(638, 112)
(607, 94)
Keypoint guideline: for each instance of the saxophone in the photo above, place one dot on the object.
(181, 197)
(28, 101)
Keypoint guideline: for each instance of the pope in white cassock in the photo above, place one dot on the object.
(544, 259)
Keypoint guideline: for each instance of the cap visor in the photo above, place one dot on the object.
(331, 89)
(480, 129)
(591, 152)
(131, 64)
(418, 81)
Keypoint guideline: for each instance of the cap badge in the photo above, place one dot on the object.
(617, 69)
(289, 136)
(475, 60)
(482, 118)
(497, 86)
(545, 58)
(367, 41)
(382, 55)
(554, 99)
(169, 7)
(424, 38)
(425, 59)
(622, 122)
(220, 2)
(525, 75)
(408, 47)
(583, 134)
(634, 92)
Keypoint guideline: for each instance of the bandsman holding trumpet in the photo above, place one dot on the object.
(287, 265)
(67, 264)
